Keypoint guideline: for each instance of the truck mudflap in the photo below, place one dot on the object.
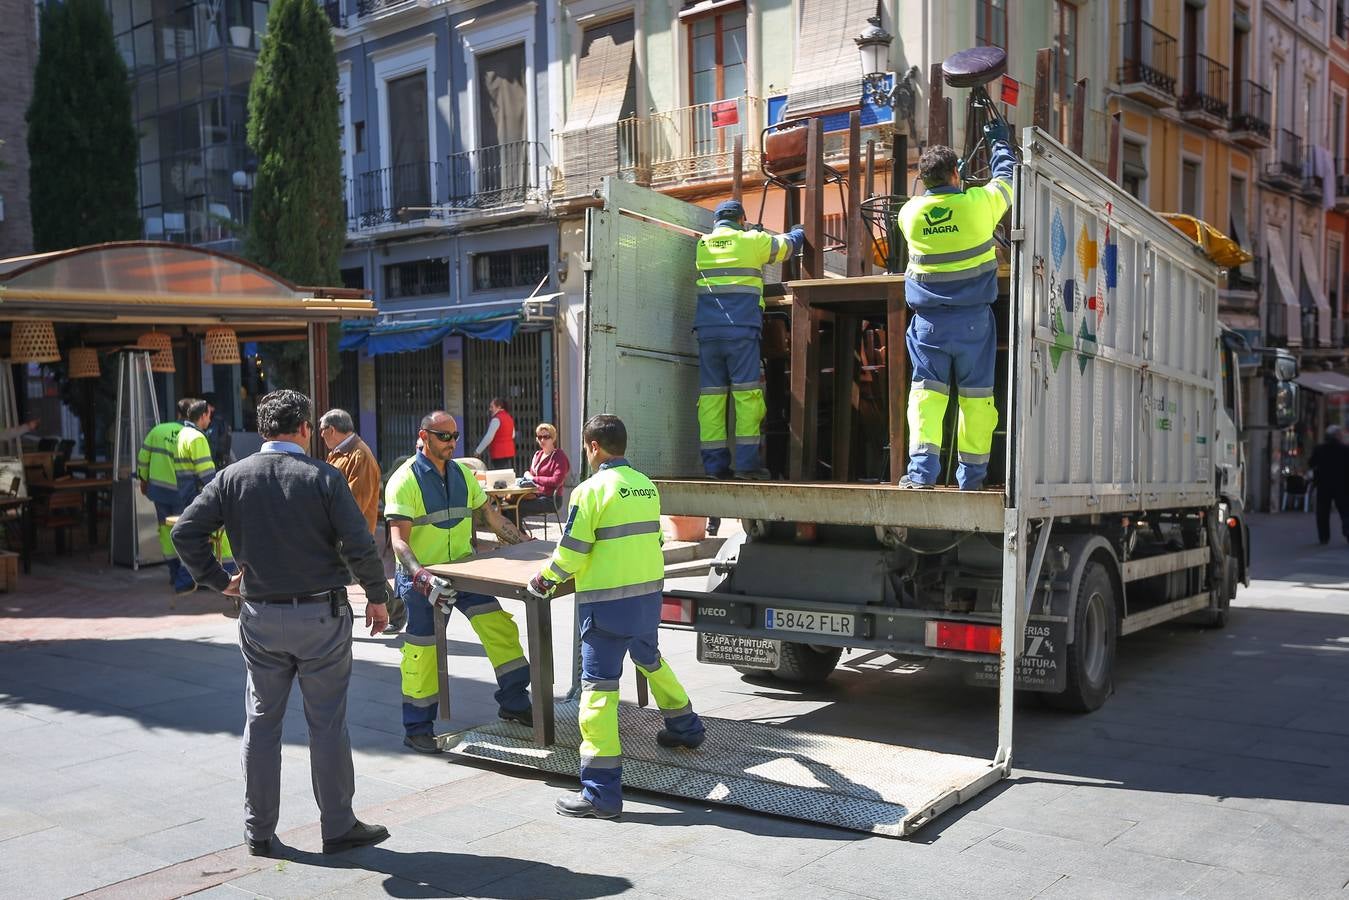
(860, 785)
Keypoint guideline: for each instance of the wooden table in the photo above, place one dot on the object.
(510, 498)
(90, 487)
(80, 465)
(505, 572)
(26, 527)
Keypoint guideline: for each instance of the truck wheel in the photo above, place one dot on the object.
(1223, 574)
(1091, 656)
(800, 664)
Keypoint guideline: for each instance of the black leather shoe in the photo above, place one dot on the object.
(259, 848)
(360, 835)
(576, 806)
(524, 716)
(422, 743)
(667, 738)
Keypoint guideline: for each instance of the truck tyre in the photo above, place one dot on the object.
(800, 664)
(1223, 576)
(1091, 655)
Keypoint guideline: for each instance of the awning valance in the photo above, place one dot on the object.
(1311, 280)
(1324, 382)
(400, 337)
(1283, 282)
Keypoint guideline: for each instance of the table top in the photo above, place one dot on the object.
(14, 501)
(99, 466)
(508, 492)
(70, 484)
(502, 572)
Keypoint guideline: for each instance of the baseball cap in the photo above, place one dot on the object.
(729, 209)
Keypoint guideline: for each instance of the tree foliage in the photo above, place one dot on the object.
(298, 222)
(81, 140)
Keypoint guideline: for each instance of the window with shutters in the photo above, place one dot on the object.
(717, 56)
(510, 268)
(828, 71)
(1191, 188)
(417, 278)
(601, 136)
(1134, 171)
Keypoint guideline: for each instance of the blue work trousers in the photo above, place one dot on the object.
(943, 341)
(610, 630)
(728, 373)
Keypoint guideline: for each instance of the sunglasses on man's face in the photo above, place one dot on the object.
(445, 436)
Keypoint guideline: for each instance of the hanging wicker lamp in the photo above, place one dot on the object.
(161, 360)
(33, 342)
(83, 363)
(222, 347)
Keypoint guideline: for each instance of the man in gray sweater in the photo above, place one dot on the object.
(296, 532)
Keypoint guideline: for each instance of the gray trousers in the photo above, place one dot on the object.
(280, 642)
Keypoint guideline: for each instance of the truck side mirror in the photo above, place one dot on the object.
(1283, 404)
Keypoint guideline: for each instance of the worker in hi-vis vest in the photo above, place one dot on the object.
(950, 284)
(173, 465)
(728, 321)
(432, 503)
(611, 546)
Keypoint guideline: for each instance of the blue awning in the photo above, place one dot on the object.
(397, 337)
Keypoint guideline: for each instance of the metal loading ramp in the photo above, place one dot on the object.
(858, 785)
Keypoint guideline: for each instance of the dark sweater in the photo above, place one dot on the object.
(292, 523)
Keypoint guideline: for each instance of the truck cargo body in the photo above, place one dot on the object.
(1119, 503)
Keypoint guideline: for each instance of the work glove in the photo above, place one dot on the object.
(997, 132)
(541, 587)
(423, 581)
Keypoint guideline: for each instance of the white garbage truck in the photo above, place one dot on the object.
(1115, 501)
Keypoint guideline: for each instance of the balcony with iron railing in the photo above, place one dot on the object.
(1342, 185)
(698, 142)
(1204, 96)
(1250, 114)
(1283, 164)
(498, 177)
(333, 10)
(1148, 70)
(583, 156)
(366, 8)
(1312, 185)
(403, 193)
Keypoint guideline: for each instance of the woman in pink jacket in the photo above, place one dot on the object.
(548, 470)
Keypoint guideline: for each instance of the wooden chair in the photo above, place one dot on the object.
(60, 511)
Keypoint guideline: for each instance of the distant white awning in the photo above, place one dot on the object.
(1324, 382)
(1311, 277)
(1292, 309)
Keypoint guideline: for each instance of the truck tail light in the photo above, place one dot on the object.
(676, 611)
(964, 636)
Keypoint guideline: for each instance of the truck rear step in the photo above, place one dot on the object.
(859, 785)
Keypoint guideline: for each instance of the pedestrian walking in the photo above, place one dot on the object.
(499, 439)
(351, 456)
(1329, 463)
(174, 465)
(951, 284)
(299, 533)
(433, 504)
(611, 546)
(728, 321)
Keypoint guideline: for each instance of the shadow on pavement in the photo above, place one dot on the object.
(431, 873)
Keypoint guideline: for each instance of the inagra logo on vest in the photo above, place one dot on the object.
(939, 221)
(624, 493)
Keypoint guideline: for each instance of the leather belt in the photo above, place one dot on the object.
(336, 595)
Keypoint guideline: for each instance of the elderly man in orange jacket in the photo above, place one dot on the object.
(354, 459)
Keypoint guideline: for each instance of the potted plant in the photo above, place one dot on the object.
(241, 35)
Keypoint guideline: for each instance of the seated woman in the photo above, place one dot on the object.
(548, 470)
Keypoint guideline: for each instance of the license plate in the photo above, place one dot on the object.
(810, 621)
(742, 652)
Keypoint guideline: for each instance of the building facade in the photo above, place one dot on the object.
(444, 120)
(18, 58)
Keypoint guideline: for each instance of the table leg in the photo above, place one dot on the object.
(28, 526)
(539, 622)
(91, 510)
(442, 663)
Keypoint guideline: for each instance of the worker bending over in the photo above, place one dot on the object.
(612, 547)
(432, 503)
(950, 284)
(173, 465)
(728, 321)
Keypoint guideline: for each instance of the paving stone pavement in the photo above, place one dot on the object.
(1216, 770)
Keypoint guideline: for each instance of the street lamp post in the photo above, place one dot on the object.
(243, 186)
(873, 45)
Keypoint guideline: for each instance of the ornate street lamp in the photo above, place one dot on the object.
(873, 45)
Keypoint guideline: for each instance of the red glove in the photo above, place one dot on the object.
(422, 581)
